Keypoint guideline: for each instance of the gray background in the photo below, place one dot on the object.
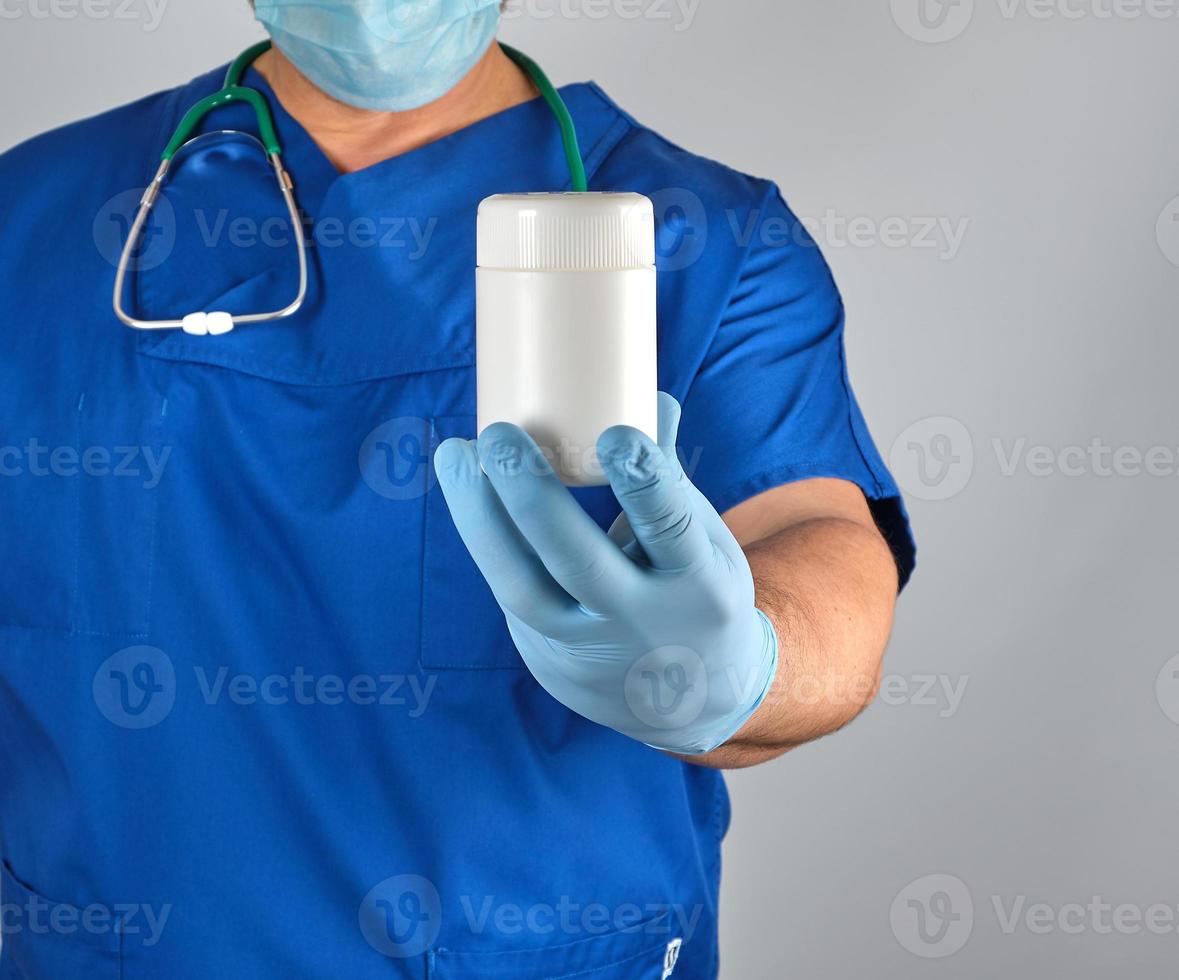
(1049, 589)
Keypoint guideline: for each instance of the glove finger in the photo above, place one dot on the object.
(621, 534)
(520, 582)
(714, 525)
(653, 493)
(669, 424)
(668, 428)
(576, 552)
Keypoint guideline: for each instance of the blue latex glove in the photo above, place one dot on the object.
(651, 630)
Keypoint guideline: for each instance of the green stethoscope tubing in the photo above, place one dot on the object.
(233, 91)
(548, 92)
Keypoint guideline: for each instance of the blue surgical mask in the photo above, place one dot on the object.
(386, 55)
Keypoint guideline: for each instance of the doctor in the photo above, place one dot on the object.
(300, 675)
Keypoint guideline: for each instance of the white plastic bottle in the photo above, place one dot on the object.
(565, 321)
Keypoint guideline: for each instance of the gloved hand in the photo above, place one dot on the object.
(651, 630)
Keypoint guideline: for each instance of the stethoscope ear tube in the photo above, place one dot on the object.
(233, 91)
(199, 322)
(145, 205)
(577, 178)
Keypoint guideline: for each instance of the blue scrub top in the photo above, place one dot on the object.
(259, 713)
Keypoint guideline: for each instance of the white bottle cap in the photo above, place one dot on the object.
(574, 231)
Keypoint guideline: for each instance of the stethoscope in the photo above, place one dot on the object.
(219, 322)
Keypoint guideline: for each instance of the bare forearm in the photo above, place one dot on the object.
(829, 586)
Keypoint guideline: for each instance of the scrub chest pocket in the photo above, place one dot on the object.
(79, 487)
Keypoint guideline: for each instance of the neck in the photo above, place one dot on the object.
(353, 139)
